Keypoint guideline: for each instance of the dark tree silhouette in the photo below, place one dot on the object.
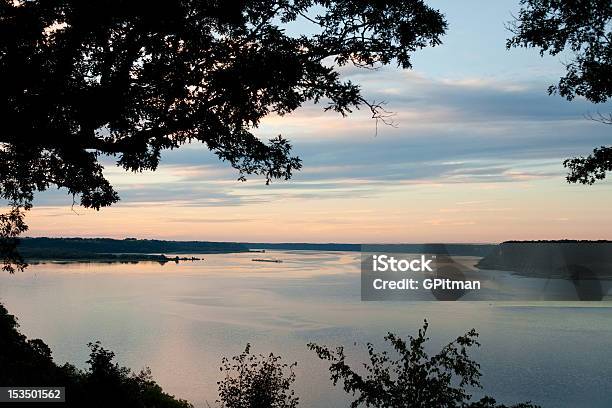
(584, 28)
(579, 26)
(257, 381)
(129, 79)
(589, 169)
(105, 384)
(413, 379)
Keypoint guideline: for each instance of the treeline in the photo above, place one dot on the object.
(303, 246)
(32, 247)
(42, 255)
(436, 248)
(118, 250)
(561, 241)
(578, 260)
(29, 363)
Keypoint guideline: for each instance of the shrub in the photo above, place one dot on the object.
(257, 381)
(412, 379)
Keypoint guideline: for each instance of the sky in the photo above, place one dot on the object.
(476, 156)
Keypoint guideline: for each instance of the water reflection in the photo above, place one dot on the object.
(180, 319)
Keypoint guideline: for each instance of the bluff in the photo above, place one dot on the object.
(553, 259)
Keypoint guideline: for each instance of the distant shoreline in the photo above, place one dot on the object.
(43, 249)
(129, 250)
(42, 258)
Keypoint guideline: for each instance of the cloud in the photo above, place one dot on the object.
(196, 220)
(450, 131)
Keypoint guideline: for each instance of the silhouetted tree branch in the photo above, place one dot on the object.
(11, 226)
(606, 119)
(579, 26)
(587, 170)
(584, 28)
(84, 80)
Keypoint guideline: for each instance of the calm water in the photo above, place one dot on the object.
(181, 319)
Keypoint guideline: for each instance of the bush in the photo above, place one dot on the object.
(257, 381)
(29, 363)
(413, 379)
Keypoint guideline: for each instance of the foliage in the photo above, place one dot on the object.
(587, 170)
(104, 384)
(80, 81)
(130, 245)
(580, 26)
(584, 28)
(11, 226)
(413, 379)
(253, 381)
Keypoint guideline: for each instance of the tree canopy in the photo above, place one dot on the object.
(582, 28)
(85, 80)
